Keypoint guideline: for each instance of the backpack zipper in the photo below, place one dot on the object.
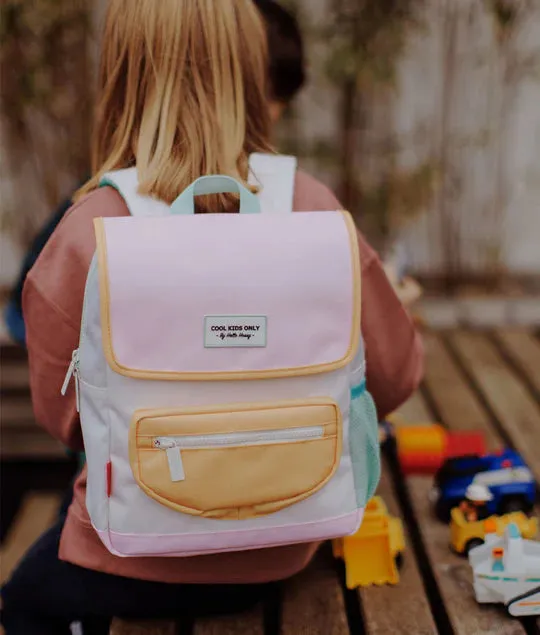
(239, 438)
(174, 444)
(73, 371)
(73, 368)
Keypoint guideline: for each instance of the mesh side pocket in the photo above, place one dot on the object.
(364, 444)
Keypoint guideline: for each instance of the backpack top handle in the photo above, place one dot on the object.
(215, 184)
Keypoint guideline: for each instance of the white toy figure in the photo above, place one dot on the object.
(407, 289)
(474, 507)
(507, 570)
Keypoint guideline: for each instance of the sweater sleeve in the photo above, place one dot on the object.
(51, 339)
(52, 306)
(394, 354)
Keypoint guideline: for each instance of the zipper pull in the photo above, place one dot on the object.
(72, 371)
(163, 443)
(174, 458)
(77, 387)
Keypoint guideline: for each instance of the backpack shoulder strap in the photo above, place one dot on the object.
(126, 183)
(274, 174)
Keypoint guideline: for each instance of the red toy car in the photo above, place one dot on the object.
(422, 449)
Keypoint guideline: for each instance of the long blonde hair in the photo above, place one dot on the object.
(182, 93)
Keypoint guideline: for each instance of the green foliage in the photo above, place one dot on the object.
(505, 12)
(365, 42)
(367, 38)
(37, 41)
(397, 198)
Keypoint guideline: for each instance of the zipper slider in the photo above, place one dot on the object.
(72, 371)
(163, 443)
(174, 457)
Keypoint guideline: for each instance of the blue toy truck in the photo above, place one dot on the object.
(506, 474)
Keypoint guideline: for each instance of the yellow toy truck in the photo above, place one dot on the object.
(372, 555)
(465, 535)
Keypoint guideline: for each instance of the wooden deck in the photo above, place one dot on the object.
(487, 380)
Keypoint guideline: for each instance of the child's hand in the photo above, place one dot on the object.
(406, 288)
(408, 291)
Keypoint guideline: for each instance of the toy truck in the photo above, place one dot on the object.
(423, 448)
(507, 570)
(505, 474)
(373, 554)
(465, 535)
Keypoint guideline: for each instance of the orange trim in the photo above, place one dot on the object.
(139, 373)
(243, 481)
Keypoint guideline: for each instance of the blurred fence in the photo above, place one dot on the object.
(423, 114)
(428, 111)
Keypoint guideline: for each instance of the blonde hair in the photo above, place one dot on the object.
(182, 93)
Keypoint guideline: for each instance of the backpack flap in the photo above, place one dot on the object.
(228, 296)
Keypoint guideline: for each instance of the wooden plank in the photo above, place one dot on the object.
(250, 623)
(415, 410)
(16, 411)
(30, 444)
(37, 513)
(410, 611)
(142, 627)
(453, 574)
(22, 438)
(313, 601)
(457, 404)
(512, 404)
(14, 375)
(12, 352)
(523, 348)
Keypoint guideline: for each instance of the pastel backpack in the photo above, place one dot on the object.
(220, 373)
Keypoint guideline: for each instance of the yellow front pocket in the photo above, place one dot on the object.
(236, 461)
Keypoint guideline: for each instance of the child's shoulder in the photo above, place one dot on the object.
(311, 195)
(104, 201)
(73, 239)
(77, 227)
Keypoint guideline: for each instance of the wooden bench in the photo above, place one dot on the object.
(22, 439)
(474, 380)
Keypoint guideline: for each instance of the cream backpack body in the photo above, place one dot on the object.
(220, 373)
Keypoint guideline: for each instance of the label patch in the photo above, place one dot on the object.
(235, 331)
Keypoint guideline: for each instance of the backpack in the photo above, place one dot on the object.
(220, 373)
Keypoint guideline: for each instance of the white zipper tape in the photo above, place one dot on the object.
(174, 445)
(240, 438)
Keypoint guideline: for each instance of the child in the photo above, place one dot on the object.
(286, 75)
(182, 93)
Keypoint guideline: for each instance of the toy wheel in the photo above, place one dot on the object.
(473, 542)
(398, 559)
(514, 504)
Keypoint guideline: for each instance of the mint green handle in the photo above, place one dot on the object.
(215, 184)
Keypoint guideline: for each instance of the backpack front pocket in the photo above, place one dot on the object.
(236, 461)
